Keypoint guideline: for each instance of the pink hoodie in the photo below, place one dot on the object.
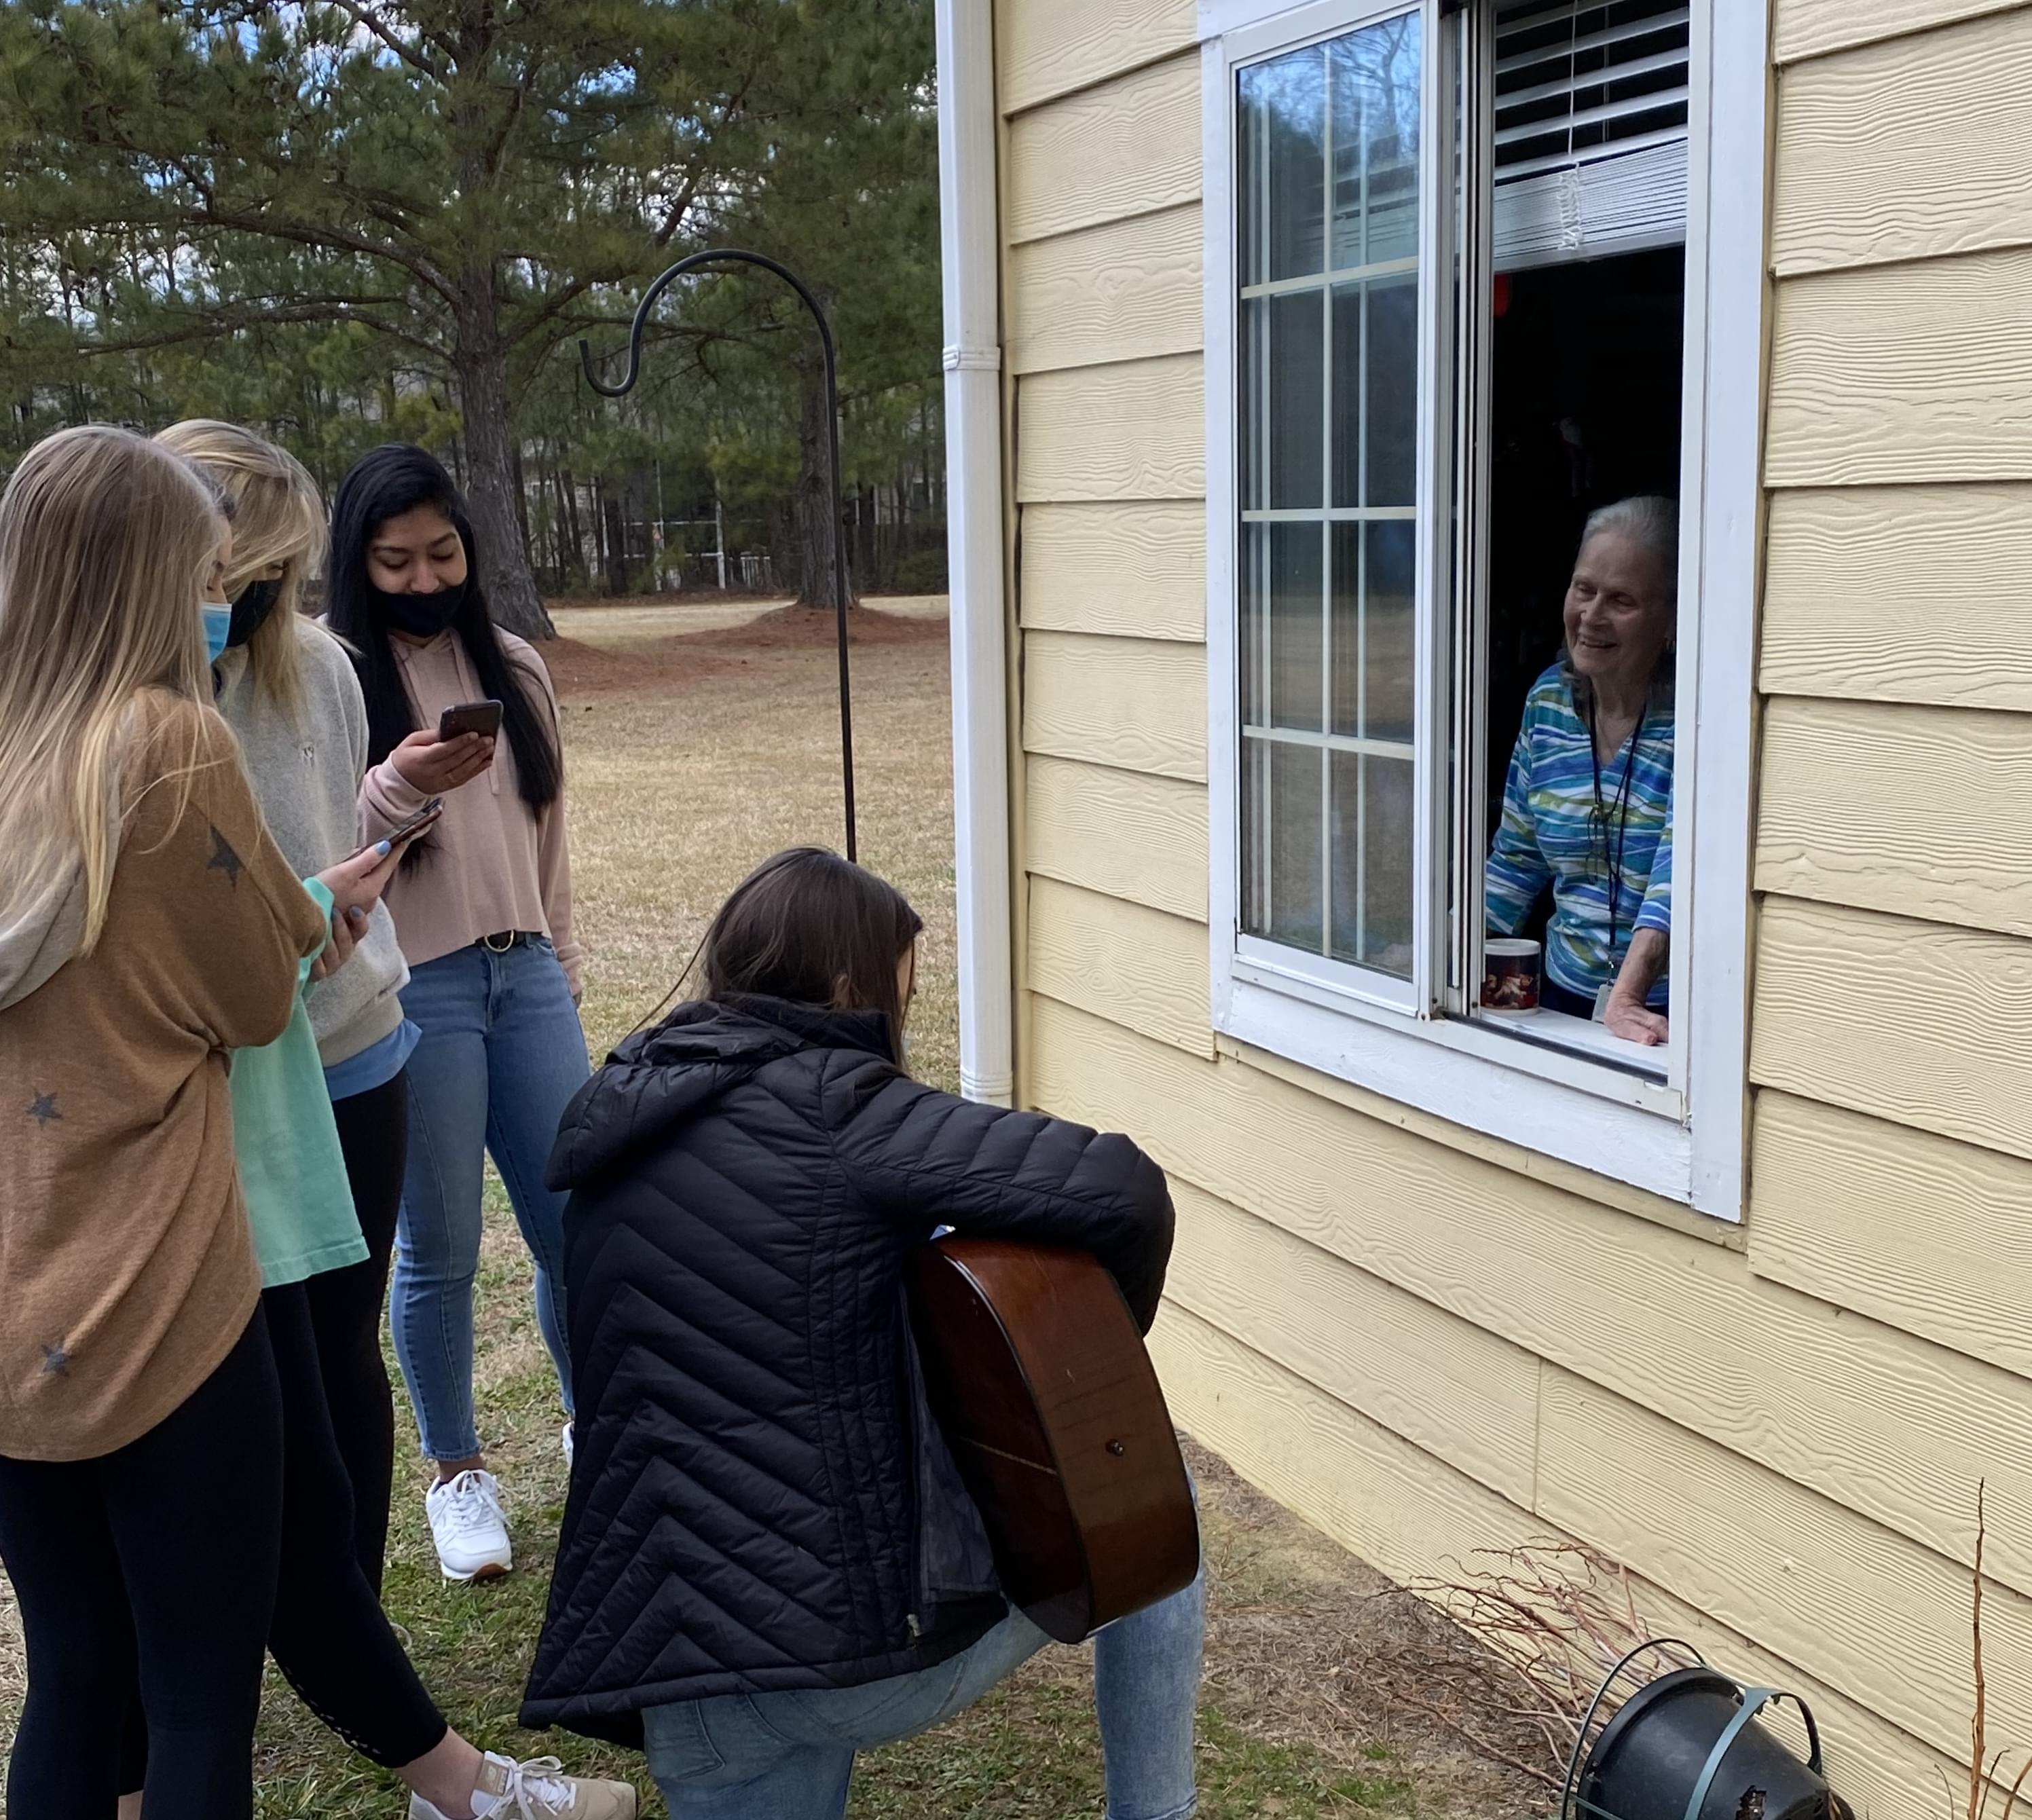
(494, 865)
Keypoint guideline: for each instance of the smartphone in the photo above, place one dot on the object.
(482, 717)
(415, 824)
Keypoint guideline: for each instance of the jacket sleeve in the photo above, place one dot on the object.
(927, 1158)
(237, 921)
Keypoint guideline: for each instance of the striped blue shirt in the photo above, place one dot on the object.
(1553, 833)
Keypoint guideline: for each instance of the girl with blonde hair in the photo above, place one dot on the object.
(287, 687)
(148, 926)
(327, 1630)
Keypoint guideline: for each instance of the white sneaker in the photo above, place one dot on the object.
(467, 1525)
(568, 1445)
(537, 1790)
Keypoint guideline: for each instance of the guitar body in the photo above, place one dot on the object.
(1047, 1399)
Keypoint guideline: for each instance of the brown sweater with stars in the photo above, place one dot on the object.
(129, 1268)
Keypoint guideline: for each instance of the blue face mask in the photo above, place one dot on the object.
(218, 625)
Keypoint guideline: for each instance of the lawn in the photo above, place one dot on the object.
(699, 741)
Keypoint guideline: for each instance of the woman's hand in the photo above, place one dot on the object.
(356, 884)
(433, 767)
(1634, 1024)
(1625, 1014)
(347, 928)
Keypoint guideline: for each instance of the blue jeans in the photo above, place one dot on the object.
(789, 1756)
(501, 1054)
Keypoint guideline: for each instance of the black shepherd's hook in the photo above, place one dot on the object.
(735, 256)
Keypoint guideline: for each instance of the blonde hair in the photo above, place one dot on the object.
(106, 545)
(278, 517)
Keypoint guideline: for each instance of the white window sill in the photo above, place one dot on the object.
(1600, 1117)
(1556, 1031)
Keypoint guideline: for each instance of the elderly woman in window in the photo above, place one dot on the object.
(1588, 807)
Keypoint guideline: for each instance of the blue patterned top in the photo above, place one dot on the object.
(1553, 833)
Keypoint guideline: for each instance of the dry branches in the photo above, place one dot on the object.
(1981, 1778)
(1534, 1633)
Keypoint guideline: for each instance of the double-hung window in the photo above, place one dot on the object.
(1484, 303)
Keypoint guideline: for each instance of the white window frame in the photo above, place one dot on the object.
(1682, 1137)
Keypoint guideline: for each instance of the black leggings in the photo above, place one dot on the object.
(346, 1310)
(155, 1566)
(329, 1634)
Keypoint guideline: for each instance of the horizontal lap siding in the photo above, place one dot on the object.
(1912, 149)
(1414, 1516)
(1430, 1350)
(1125, 290)
(1892, 1025)
(1865, 1414)
(1911, 594)
(1135, 570)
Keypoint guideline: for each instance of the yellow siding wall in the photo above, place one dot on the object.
(1430, 1343)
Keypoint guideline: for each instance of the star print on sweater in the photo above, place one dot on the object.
(56, 1362)
(44, 1110)
(224, 859)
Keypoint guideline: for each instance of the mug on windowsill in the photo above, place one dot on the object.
(1510, 968)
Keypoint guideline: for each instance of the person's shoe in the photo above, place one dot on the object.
(537, 1790)
(568, 1444)
(467, 1525)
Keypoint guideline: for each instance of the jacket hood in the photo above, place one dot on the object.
(659, 1079)
(38, 934)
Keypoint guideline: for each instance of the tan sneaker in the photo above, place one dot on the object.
(537, 1790)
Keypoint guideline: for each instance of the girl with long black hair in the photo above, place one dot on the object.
(483, 909)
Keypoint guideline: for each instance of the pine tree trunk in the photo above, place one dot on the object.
(817, 529)
(481, 365)
(617, 546)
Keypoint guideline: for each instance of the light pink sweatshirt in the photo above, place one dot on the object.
(494, 865)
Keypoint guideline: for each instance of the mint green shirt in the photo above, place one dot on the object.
(292, 1170)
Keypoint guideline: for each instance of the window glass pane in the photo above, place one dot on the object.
(1374, 633)
(1283, 165)
(1376, 78)
(1347, 412)
(1372, 862)
(1329, 402)
(1281, 626)
(1293, 399)
(1391, 424)
(1289, 843)
(1389, 628)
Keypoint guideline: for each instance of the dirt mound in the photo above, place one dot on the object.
(580, 669)
(793, 628)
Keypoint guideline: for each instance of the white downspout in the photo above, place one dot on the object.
(967, 240)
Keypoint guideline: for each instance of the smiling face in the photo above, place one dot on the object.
(1618, 611)
(417, 552)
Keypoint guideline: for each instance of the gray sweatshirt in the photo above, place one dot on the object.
(306, 770)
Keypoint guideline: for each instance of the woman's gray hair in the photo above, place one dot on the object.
(1649, 520)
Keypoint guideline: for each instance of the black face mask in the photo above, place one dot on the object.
(251, 606)
(420, 615)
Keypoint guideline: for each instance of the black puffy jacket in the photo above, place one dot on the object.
(760, 1499)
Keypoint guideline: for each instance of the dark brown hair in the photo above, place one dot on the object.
(816, 929)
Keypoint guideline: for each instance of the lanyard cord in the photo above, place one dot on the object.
(1621, 810)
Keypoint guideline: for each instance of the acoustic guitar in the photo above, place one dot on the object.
(1039, 1382)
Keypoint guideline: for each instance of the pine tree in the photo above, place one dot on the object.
(450, 187)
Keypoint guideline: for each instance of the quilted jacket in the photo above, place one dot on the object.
(760, 1499)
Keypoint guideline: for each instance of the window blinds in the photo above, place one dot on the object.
(1590, 128)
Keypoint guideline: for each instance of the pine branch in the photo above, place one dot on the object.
(365, 17)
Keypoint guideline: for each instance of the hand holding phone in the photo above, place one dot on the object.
(356, 884)
(435, 762)
(481, 717)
